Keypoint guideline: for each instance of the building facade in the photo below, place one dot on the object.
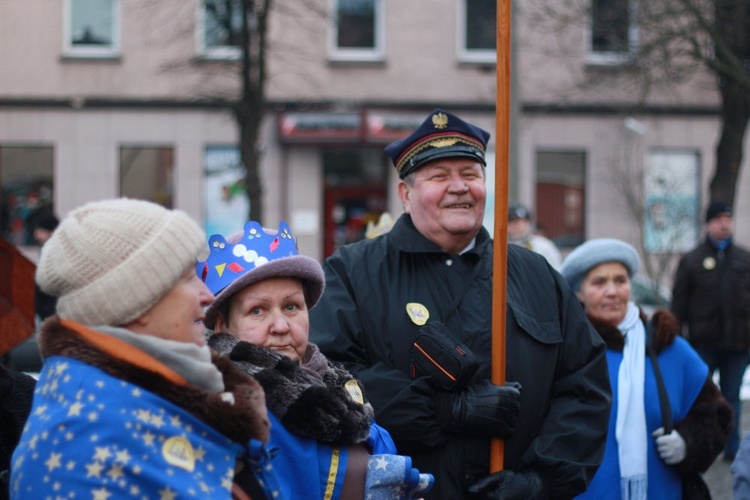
(111, 98)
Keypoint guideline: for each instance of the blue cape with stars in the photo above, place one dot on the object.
(91, 435)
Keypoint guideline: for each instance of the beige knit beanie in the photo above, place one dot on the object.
(110, 261)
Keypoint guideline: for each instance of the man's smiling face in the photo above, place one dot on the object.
(446, 201)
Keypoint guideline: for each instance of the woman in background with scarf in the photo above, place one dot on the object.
(639, 457)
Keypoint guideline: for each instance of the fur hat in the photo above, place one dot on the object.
(253, 255)
(110, 261)
(594, 252)
(717, 208)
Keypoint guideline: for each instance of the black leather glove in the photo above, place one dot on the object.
(483, 409)
(507, 485)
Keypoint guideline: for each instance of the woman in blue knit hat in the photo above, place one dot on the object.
(641, 459)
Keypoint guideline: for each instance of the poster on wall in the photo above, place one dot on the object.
(226, 202)
(671, 202)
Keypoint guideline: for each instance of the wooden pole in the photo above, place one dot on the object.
(500, 254)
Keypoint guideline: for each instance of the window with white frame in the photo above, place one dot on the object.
(220, 29)
(357, 31)
(92, 28)
(477, 31)
(613, 32)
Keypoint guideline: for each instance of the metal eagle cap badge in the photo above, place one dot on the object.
(440, 120)
(418, 313)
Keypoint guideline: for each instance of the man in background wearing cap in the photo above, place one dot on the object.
(381, 315)
(521, 232)
(711, 299)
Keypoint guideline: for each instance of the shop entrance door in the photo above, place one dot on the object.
(561, 197)
(347, 212)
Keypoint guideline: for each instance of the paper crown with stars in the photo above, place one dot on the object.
(253, 255)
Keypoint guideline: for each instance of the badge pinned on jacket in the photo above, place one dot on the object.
(178, 451)
(709, 263)
(418, 313)
(352, 387)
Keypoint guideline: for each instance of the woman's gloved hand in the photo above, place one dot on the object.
(671, 447)
(509, 485)
(391, 477)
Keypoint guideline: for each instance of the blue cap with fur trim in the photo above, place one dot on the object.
(441, 135)
(594, 252)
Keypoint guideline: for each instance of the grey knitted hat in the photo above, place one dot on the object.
(252, 255)
(594, 252)
(110, 261)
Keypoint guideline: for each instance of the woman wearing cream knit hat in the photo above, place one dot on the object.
(130, 401)
(641, 459)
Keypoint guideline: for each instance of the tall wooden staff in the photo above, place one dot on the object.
(500, 255)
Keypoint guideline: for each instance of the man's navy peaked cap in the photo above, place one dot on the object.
(441, 135)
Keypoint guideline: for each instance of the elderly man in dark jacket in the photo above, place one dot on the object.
(711, 299)
(435, 268)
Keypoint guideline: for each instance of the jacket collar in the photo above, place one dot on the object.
(293, 395)
(665, 330)
(244, 420)
(406, 238)
(717, 246)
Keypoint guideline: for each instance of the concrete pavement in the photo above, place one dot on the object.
(719, 475)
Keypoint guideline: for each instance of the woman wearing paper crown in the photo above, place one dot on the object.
(320, 421)
(130, 402)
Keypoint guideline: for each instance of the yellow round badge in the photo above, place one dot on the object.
(352, 387)
(179, 452)
(709, 263)
(418, 313)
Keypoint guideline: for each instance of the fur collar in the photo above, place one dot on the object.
(244, 420)
(665, 329)
(317, 406)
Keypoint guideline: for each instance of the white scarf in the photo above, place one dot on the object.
(630, 427)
